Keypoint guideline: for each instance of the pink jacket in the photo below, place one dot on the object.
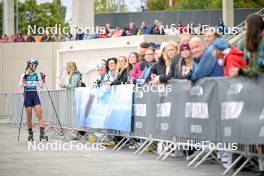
(136, 72)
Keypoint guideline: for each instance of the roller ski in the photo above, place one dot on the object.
(30, 135)
(42, 137)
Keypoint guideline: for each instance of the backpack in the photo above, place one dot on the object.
(82, 84)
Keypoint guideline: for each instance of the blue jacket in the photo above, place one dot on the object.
(206, 66)
(79, 36)
(260, 56)
(145, 73)
(145, 30)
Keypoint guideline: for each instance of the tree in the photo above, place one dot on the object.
(42, 15)
(248, 3)
(153, 5)
(200, 4)
(109, 6)
(193, 4)
(217, 4)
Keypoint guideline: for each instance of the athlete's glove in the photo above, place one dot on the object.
(43, 76)
(25, 76)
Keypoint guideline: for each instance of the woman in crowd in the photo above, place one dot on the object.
(5, 38)
(111, 72)
(253, 47)
(121, 77)
(75, 77)
(210, 35)
(161, 69)
(101, 70)
(19, 38)
(150, 60)
(133, 59)
(75, 80)
(103, 33)
(30, 38)
(185, 38)
(69, 37)
(157, 54)
(117, 32)
(139, 67)
(156, 28)
(185, 62)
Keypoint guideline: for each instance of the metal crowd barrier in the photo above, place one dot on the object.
(5, 105)
(64, 102)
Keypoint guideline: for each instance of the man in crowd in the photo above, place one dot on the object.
(204, 65)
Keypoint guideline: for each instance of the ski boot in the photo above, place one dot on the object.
(42, 136)
(30, 135)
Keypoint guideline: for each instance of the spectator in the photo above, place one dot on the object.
(185, 38)
(185, 62)
(69, 37)
(50, 38)
(30, 38)
(5, 38)
(97, 32)
(161, 69)
(204, 64)
(101, 69)
(157, 28)
(122, 74)
(46, 37)
(139, 67)
(130, 30)
(230, 57)
(173, 31)
(157, 54)
(112, 31)
(19, 38)
(144, 29)
(191, 28)
(149, 58)
(108, 29)
(87, 35)
(142, 50)
(133, 59)
(75, 77)
(103, 33)
(254, 47)
(79, 34)
(181, 28)
(200, 29)
(210, 35)
(117, 32)
(110, 75)
(57, 37)
(221, 28)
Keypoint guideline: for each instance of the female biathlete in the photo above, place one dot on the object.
(30, 81)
